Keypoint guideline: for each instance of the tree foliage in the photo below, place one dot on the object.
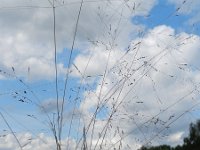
(193, 140)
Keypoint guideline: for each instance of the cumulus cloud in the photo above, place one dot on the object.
(154, 83)
(30, 142)
(142, 84)
(145, 89)
(27, 31)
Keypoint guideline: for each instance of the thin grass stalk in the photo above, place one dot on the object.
(177, 118)
(20, 146)
(109, 119)
(67, 76)
(22, 125)
(55, 63)
(168, 107)
(38, 100)
(52, 124)
(99, 97)
(102, 83)
(84, 139)
(125, 78)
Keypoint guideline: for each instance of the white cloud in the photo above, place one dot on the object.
(176, 137)
(154, 72)
(161, 70)
(30, 142)
(27, 32)
(188, 7)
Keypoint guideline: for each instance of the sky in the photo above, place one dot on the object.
(127, 70)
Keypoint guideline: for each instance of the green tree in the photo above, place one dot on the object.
(192, 142)
(161, 147)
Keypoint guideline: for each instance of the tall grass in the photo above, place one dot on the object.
(106, 123)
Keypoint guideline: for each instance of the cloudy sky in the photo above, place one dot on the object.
(128, 72)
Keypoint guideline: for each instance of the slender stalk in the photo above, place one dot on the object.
(11, 131)
(55, 62)
(67, 76)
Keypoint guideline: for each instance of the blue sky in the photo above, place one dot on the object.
(134, 61)
(165, 13)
